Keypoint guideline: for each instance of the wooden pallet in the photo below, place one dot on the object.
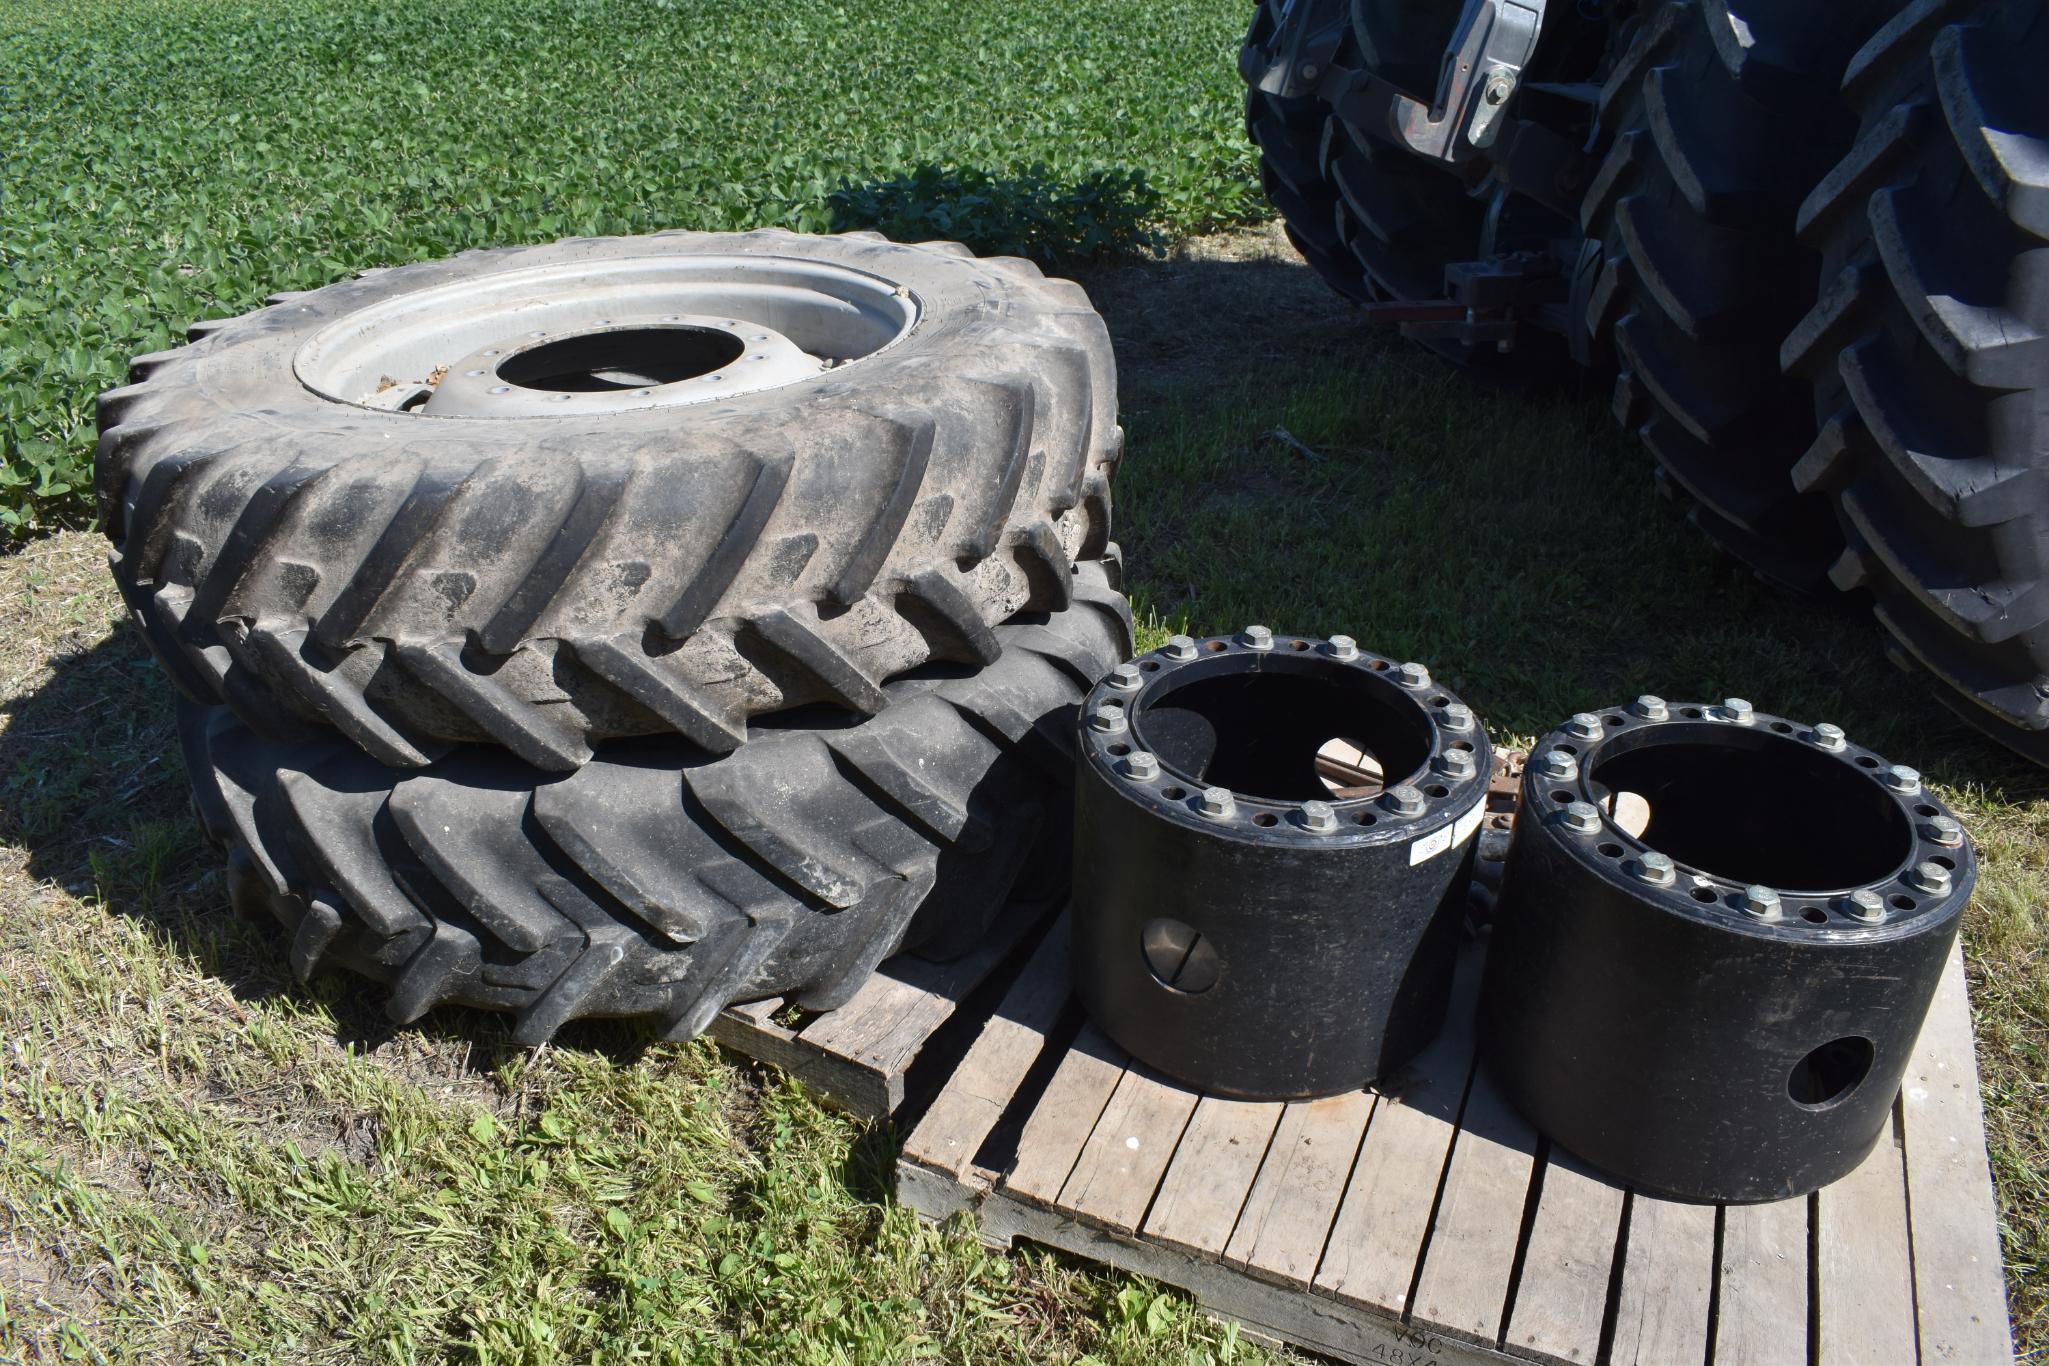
(1424, 1222)
(910, 1016)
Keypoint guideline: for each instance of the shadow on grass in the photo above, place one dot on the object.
(1024, 213)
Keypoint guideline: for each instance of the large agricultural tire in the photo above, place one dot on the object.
(1289, 134)
(536, 497)
(659, 880)
(1929, 352)
(1716, 125)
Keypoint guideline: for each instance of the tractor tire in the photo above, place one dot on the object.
(660, 880)
(1715, 126)
(537, 497)
(1929, 352)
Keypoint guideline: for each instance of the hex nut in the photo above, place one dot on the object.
(1760, 901)
(1946, 831)
(1126, 678)
(1108, 719)
(1457, 716)
(1583, 817)
(1412, 675)
(1584, 726)
(1342, 647)
(1903, 780)
(1651, 708)
(1256, 638)
(1218, 803)
(1865, 905)
(1737, 710)
(1180, 649)
(1456, 763)
(1931, 878)
(1558, 766)
(1318, 817)
(1827, 736)
(1141, 766)
(1404, 800)
(1656, 868)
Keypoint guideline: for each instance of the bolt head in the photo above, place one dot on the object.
(1404, 799)
(1946, 831)
(1108, 719)
(1584, 726)
(1457, 716)
(1456, 763)
(1179, 648)
(1656, 868)
(1827, 736)
(1318, 817)
(1413, 675)
(1126, 678)
(1902, 779)
(1256, 638)
(1651, 708)
(1141, 766)
(1737, 710)
(1866, 905)
(1583, 817)
(1218, 802)
(1558, 766)
(1342, 647)
(1760, 901)
(1930, 877)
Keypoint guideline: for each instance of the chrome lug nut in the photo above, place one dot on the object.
(1583, 817)
(1404, 800)
(1865, 905)
(1931, 878)
(1558, 766)
(1651, 708)
(1760, 901)
(1342, 647)
(1584, 726)
(1903, 780)
(1737, 710)
(1413, 675)
(1256, 638)
(1318, 817)
(1180, 649)
(1656, 868)
(1218, 803)
(1827, 736)
(1141, 766)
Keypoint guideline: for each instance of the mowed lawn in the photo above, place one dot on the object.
(200, 1155)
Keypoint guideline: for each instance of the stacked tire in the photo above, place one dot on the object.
(1812, 245)
(630, 626)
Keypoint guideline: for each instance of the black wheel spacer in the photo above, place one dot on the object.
(1721, 1006)
(1240, 925)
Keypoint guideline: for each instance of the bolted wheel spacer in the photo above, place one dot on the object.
(1717, 936)
(1272, 850)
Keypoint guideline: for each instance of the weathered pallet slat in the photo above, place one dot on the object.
(858, 1057)
(1311, 1221)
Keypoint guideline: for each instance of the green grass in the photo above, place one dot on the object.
(171, 160)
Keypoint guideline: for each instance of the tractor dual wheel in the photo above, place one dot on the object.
(1717, 937)
(1928, 352)
(543, 496)
(1715, 126)
(660, 880)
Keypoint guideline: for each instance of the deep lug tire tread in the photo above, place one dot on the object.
(414, 583)
(1928, 352)
(659, 880)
